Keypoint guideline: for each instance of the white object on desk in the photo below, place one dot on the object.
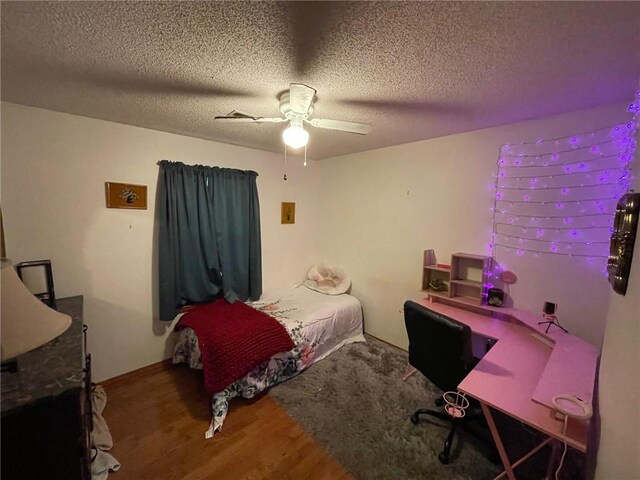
(572, 406)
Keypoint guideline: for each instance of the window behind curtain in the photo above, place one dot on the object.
(209, 235)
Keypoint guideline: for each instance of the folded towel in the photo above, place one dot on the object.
(101, 440)
(101, 463)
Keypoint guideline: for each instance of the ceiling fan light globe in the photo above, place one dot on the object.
(295, 136)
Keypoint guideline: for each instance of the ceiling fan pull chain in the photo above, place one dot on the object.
(285, 162)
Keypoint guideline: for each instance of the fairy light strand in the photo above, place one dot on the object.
(554, 202)
(538, 252)
(499, 212)
(540, 141)
(557, 152)
(525, 228)
(537, 189)
(529, 239)
(581, 172)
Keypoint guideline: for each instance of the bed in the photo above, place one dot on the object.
(318, 324)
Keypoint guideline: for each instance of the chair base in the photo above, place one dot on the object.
(444, 455)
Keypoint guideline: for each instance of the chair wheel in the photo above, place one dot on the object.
(415, 419)
(444, 459)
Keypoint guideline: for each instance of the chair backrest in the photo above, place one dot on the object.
(438, 346)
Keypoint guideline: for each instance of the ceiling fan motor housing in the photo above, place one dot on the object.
(285, 108)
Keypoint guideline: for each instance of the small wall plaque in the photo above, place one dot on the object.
(126, 195)
(288, 212)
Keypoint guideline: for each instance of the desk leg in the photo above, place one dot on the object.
(522, 459)
(498, 441)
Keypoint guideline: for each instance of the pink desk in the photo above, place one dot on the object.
(523, 371)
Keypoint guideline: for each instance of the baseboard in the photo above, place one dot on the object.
(384, 341)
(137, 374)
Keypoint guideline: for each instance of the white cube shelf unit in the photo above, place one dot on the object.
(465, 279)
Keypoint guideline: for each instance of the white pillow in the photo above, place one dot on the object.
(328, 280)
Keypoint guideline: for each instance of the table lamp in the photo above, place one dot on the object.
(26, 323)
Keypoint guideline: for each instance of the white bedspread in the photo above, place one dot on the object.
(318, 325)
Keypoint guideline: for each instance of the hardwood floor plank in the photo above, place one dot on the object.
(158, 417)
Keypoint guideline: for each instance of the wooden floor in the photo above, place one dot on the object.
(158, 418)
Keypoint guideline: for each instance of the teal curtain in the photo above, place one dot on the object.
(209, 235)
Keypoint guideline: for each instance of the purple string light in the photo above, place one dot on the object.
(613, 148)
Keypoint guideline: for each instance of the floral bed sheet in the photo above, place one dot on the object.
(318, 325)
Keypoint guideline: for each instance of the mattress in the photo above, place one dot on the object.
(318, 325)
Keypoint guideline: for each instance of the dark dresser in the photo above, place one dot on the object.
(46, 409)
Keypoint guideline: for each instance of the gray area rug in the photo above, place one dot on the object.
(356, 404)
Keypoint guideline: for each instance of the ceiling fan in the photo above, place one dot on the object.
(296, 104)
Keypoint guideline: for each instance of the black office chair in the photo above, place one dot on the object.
(440, 348)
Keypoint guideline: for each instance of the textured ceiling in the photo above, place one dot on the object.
(414, 70)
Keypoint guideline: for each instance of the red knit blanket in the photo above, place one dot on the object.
(234, 339)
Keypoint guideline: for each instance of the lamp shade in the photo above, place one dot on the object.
(26, 323)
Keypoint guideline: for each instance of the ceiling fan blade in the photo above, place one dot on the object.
(351, 127)
(270, 120)
(240, 117)
(250, 119)
(300, 98)
(235, 119)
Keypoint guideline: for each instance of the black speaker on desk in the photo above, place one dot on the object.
(495, 297)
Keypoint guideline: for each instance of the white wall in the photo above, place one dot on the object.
(619, 456)
(54, 166)
(382, 208)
